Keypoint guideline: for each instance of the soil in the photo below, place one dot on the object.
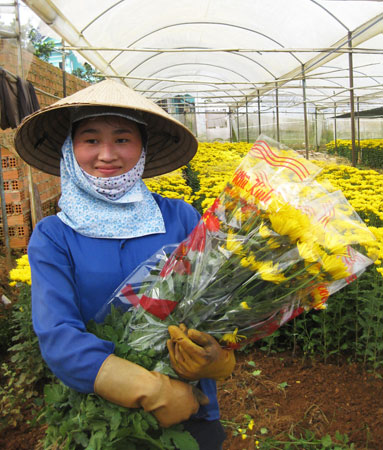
(290, 395)
(282, 394)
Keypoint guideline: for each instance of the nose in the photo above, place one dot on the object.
(107, 152)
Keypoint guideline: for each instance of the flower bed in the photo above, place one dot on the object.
(371, 151)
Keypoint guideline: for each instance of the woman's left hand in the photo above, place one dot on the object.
(195, 355)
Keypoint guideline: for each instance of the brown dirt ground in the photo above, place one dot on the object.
(322, 398)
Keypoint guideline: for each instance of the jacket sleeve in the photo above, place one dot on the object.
(73, 354)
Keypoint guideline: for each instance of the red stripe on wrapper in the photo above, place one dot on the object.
(261, 150)
(129, 293)
(158, 307)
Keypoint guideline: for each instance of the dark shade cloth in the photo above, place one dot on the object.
(208, 433)
(9, 115)
(18, 99)
(26, 98)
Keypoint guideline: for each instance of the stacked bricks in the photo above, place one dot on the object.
(49, 79)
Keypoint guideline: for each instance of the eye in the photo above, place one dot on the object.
(91, 141)
(122, 140)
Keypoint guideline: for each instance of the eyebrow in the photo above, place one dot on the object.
(116, 131)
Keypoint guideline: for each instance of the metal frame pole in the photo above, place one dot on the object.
(305, 112)
(259, 114)
(316, 129)
(352, 106)
(277, 111)
(63, 62)
(335, 131)
(247, 122)
(359, 156)
(238, 138)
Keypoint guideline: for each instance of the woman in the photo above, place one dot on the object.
(102, 141)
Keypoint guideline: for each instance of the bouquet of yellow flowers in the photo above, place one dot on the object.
(274, 243)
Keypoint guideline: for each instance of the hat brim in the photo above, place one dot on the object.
(39, 138)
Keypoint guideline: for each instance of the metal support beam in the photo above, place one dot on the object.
(335, 134)
(316, 130)
(259, 115)
(277, 111)
(352, 106)
(359, 158)
(305, 112)
(238, 137)
(247, 122)
(63, 62)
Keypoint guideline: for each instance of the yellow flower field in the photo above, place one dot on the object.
(171, 185)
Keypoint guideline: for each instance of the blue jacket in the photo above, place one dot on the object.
(72, 278)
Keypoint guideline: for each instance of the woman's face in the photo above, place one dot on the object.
(107, 146)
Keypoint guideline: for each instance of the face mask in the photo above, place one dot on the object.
(115, 187)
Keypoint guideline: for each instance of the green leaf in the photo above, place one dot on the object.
(53, 393)
(180, 438)
(115, 421)
(81, 438)
(96, 441)
(326, 441)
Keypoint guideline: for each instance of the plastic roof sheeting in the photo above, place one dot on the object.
(225, 51)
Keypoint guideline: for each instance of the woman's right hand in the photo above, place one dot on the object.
(127, 384)
(176, 401)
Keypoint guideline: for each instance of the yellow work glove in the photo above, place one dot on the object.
(196, 355)
(126, 384)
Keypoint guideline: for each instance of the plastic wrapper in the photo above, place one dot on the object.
(273, 244)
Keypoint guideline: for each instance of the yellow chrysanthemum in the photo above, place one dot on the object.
(244, 305)
(273, 243)
(313, 269)
(335, 244)
(319, 296)
(333, 265)
(269, 271)
(307, 252)
(233, 337)
(22, 272)
(232, 244)
(264, 231)
(288, 221)
(249, 261)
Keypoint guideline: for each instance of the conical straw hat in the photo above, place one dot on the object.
(39, 138)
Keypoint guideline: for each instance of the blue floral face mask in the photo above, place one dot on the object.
(115, 187)
(92, 213)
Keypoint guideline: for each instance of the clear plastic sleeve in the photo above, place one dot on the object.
(274, 243)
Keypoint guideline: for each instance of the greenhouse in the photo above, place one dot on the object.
(232, 70)
(276, 221)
